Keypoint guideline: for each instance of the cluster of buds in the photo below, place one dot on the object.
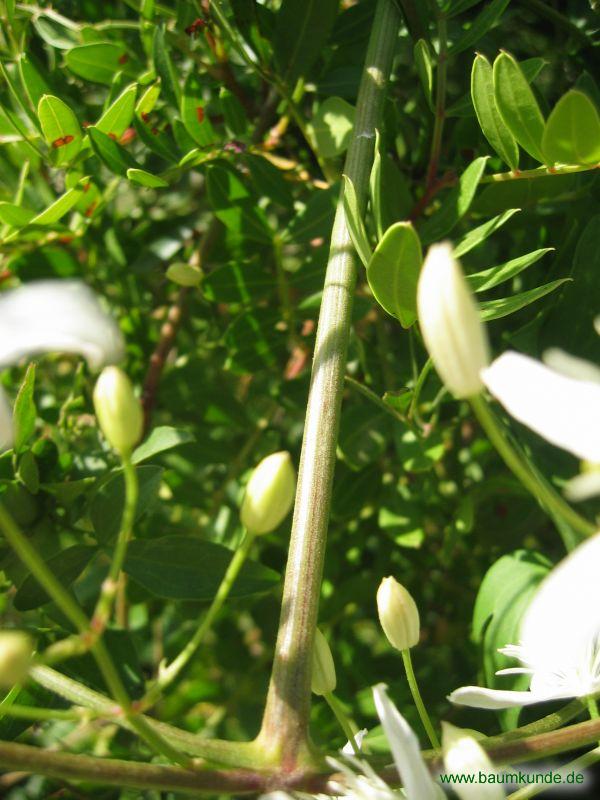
(118, 410)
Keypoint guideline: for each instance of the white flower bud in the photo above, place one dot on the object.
(450, 323)
(463, 755)
(269, 493)
(323, 668)
(118, 410)
(398, 614)
(16, 649)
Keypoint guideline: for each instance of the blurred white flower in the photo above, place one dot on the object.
(560, 638)
(54, 316)
(463, 755)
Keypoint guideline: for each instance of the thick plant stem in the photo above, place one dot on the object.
(528, 476)
(285, 724)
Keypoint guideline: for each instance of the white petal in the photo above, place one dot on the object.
(6, 425)
(57, 316)
(464, 756)
(479, 697)
(583, 486)
(348, 749)
(562, 410)
(562, 621)
(571, 366)
(418, 783)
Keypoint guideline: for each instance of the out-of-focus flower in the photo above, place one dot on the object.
(463, 755)
(53, 316)
(560, 638)
(269, 493)
(450, 323)
(118, 411)
(323, 668)
(398, 614)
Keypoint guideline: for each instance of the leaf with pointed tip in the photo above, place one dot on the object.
(393, 272)
(495, 309)
(355, 223)
(60, 128)
(118, 115)
(494, 276)
(481, 232)
(424, 64)
(196, 122)
(492, 124)
(517, 105)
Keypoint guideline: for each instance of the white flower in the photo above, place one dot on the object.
(564, 409)
(560, 637)
(450, 323)
(463, 755)
(53, 316)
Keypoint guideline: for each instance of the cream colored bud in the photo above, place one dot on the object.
(450, 323)
(463, 755)
(16, 649)
(323, 668)
(398, 614)
(118, 411)
(269, 493)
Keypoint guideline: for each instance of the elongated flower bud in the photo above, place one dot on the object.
(269, 493)
(398, 614)
(450, 323)
(323, 668)
(118, 410)
(16, 650)
(463, 755)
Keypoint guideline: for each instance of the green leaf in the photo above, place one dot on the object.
(60, 128)
(157, 141)
(61, 206)
(572, 132)
(495, 309)
(355, 223)
(456, 204)
(424, 65)
(393, 272)
(302, 29)
(234, 205)
(236, 121)
(117, 117)
(483, 22)
(517, 105)
(108, 501)
(33, 81)
(148, 100)
(481, 232)
(364, 431)
(160, 439)
(391, 199)
(24, 411)
(186, 568)
(146, 178)
(331, 127)
(315, 219)
(494, 276)
(196, 122)
(15, 216)
(492, 124)
(116, 158)
(184, 274)
(98, 61)
(164, 68)
(67, 566)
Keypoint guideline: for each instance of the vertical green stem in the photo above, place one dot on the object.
(345, 724)
(418, 700)
(285, 724)
(528, 476)
(440, 104)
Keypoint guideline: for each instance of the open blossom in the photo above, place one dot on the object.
(53, 316)
(560, 638)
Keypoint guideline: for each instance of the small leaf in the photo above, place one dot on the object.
(494, 276)
(15, 216)
(107, 503)
(61, 206)
(118, 115)
(236, 121)
(164, 68)
(492, 124)
(393, 272)
(495, 309)
(332, 126)
(98, 61)
(33, 81)
(24, 411)
(424, 65)
(67, 566)
(156, 140)
(355, 223)
(481, 232)
(184, 274)
(196, 122)
(116, 158)
(572, 132)
(160, 439)
(391, 199)
(148, 100)
(483, 22)
(517, 105)
(60, 128)
(302, 29)
(456, 204)
(146, 178)
(186, 568)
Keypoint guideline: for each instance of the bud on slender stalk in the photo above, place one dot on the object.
(269, 494)
(16, 649)
(450, 323)
(118, 411)
(323, 668)
(398, 614)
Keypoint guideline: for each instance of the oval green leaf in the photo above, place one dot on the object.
(393, 272)
(98, 61)
(60, 128)
(517, 105)
(332, 126)
(572, 133)
(196, 122)
(119, 114)
(146, 178)
(490, 121)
